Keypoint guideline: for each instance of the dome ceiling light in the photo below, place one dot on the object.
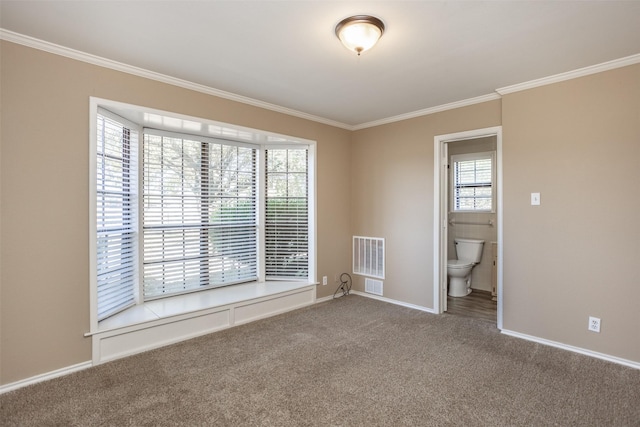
(360, 32)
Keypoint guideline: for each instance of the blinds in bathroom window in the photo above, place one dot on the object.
(473, 182)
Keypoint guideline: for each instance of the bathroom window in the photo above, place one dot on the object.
(472, 178)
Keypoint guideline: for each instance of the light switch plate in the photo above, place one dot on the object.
(535, 199)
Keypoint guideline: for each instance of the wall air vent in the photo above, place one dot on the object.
(373, 286)
(368, 256)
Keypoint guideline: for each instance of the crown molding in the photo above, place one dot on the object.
(32, 42)
(581, 72)
(431, 110)
(140, 72)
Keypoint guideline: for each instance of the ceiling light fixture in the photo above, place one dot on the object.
(360, 32)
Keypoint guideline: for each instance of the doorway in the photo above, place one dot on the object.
(441, 215)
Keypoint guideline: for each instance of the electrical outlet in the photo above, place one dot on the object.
(324, 280)
(594, 324)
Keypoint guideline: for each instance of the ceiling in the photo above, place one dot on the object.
(285, 53)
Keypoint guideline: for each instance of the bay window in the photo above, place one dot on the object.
(213, 210)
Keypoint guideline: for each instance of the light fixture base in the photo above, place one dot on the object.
(360, 32)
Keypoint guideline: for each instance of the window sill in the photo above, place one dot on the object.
(196, 301)
(170, 320)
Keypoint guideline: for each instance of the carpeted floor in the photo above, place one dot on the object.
(353, 361)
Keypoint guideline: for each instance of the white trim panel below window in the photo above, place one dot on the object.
(166, 321)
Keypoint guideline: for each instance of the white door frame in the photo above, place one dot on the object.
(440, 214)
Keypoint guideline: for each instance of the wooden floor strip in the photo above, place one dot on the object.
(477, 304)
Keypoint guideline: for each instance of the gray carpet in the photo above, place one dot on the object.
(353, 361)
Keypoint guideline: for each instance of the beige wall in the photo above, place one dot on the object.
(44, 277)
(577, 254)
(576, 142)
(392, 194)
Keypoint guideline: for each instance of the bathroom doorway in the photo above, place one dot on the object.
(458, 218)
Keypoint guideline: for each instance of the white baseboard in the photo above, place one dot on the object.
(84, 365)
(580, 350)
(324, 299)
(591, 353)
(123, 341)
(44, 377)
(393, 301)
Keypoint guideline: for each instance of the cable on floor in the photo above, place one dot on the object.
(345, 286)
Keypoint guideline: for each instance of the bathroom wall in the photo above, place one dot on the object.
(481, 273)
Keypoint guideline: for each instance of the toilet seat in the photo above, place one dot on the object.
(459, 264)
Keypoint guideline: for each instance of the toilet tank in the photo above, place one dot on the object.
(469, 249)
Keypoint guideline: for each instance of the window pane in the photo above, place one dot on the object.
(116, 216)
(472, 185)
(200, 215)
(286, 222)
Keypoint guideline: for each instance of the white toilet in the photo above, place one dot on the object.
(469, 252)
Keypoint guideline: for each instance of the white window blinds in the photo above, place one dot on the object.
(472, 182)
(116, 216)
(287, 213)
(199, 223)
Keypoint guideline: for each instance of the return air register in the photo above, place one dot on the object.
(368, 260)
(373, 286)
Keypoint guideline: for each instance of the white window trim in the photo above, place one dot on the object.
(139, 117)
(93, 130)
(473, 156)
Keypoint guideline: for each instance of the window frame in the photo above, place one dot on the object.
(93, 200)
(150, 232)
(264, 201)
(491, 155)
(142, 117)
